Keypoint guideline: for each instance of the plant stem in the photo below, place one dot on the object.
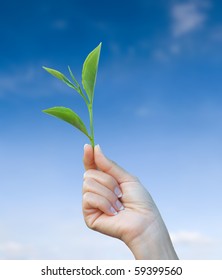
(90, 109)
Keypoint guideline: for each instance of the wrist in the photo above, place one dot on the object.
(153, 244)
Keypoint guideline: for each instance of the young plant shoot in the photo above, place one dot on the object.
(89, 73)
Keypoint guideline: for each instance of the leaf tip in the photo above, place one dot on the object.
(46, 68)
(44, 111)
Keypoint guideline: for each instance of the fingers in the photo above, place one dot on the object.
(88, 157)
(105, 180)
(111, 168)
(93, 201)
(102, 180)
(95, 159)
(100, 191)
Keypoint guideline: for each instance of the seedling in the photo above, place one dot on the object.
(89, 73)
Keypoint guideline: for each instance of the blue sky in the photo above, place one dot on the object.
(158, 113)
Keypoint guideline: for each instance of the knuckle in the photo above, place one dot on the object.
(86, 197)
(134, 178)
(87, 183)
(86, 173)
(89, 172)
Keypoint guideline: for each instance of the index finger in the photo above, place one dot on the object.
(108, 166)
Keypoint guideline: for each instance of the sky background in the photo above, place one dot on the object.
(157, 110)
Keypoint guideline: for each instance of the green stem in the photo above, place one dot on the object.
(90, 109)
(83, 96)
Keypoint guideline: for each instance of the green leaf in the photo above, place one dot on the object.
(78, 88)
(89, 72)
(68, 116)
(73, 78)
(60, 76)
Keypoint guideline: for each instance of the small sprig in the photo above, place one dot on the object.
(89, 74)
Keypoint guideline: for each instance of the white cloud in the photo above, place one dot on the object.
(196, 245)
(190, 238)
(11, 81)
(15, 250)
(28, 80)
(17, 80)
(187, 17)
(60, 239)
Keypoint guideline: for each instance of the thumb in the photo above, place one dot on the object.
(111, 168)
(88, 157)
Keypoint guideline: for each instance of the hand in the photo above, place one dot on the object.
(116, 204)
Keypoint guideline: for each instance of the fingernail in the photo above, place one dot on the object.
(113, 211)
(118, 192)
(85, 146)
(119, 205)
(99, 148)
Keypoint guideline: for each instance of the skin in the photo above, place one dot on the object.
(115, 203)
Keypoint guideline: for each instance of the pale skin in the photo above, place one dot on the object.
(115, 203)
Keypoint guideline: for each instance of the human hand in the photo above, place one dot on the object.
(116, 204)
